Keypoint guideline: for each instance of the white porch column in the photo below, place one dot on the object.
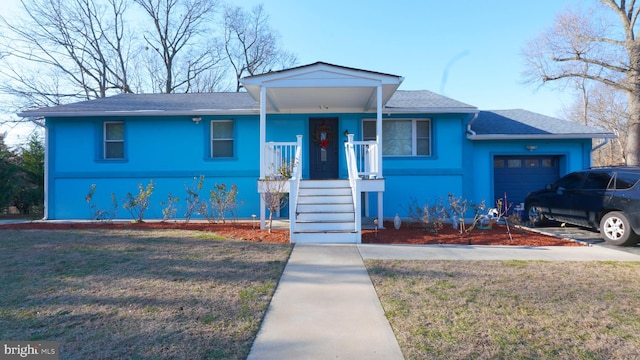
(379, 139)
(263, 139)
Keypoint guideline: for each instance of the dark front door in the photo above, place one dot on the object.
(323, 148)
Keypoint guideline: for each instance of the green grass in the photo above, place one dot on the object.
(511, 309)
(115, 294)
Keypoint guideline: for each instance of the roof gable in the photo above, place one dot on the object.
(321, 87)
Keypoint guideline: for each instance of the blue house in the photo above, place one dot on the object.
(352, 143)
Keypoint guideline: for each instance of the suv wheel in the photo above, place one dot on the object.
(534, 213)
(615, 229)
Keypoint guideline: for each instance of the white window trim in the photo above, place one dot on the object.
(414, 135)
(212, 139)
(105, 141)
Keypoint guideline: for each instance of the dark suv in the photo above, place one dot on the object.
(600, 198)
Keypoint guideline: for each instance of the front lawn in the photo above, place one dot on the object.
(511, 309)
(115, 294)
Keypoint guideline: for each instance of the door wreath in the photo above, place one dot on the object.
(322, 135)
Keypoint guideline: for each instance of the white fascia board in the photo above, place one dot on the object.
(46, 114)
(430, 110)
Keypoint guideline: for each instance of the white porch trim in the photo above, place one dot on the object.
(321, 88)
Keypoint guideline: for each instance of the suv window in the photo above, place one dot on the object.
(597, 181)
(571, 181)
(626, 180)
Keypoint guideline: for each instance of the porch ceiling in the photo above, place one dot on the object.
(322, 87)
(326, 99)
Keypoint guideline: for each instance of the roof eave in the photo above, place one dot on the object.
(439, 110)
(199, 112)
(540, 136)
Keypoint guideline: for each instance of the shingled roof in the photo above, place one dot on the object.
(225, 103)
(518, 123)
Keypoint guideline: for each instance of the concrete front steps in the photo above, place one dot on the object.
(325, 213)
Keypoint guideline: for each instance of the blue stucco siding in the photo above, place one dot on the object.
(173, 151)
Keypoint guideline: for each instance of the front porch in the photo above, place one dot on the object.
(331, 209)
(328, 210)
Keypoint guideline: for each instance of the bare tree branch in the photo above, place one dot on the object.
(587, 46)
(251, 45)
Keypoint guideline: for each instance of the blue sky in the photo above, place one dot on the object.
(468, 50)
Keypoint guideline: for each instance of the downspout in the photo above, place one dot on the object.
(46, 174)
(605, 142)
(469, 131)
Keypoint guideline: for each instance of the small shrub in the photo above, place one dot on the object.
(169, 207)
(432, 217)
(96, 213)
(223, 201)
(137, 205)
(458, 207)
(274, 195)
(194, 204)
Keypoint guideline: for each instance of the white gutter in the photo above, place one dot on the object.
(46, 174)
(469, 131)
(605, 142)
(204, 112)
(540, 137)
(51, 114)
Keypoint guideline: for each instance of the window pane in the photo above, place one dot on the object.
(531, 163)
(498, 163)
(424, 147)
(396, 137)
(422, 129)
(114, 131)
(114, 150)
(571, 181)
(598, 181)
(222, 148)
(423, 137)
(368, 130)
(222, 129)
(626, 180)
(514, 163)
(547, 163)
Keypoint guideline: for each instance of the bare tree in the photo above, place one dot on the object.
(61, 51)
(250, 43)
(592, 46)
(180, 39)
(606, 109)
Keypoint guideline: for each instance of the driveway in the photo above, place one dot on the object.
(585, 235)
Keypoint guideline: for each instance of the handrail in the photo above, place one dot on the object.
(279, 158)
(354, 180)
(294, 185)
(366, 153)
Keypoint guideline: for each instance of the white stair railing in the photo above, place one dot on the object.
(279, 158)
(294, 185)
(366, 153)
(354, 180)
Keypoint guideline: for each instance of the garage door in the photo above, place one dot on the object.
(518, 175)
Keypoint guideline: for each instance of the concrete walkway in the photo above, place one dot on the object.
(471, 252)
(325, 307)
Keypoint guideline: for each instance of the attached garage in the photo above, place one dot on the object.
(516, 176)
(516, 151)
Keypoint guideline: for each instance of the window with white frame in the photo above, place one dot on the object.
(114, 140)
(401, 137)
(221, 138)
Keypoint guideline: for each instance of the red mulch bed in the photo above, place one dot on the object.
(498, 235)
(408, 233)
